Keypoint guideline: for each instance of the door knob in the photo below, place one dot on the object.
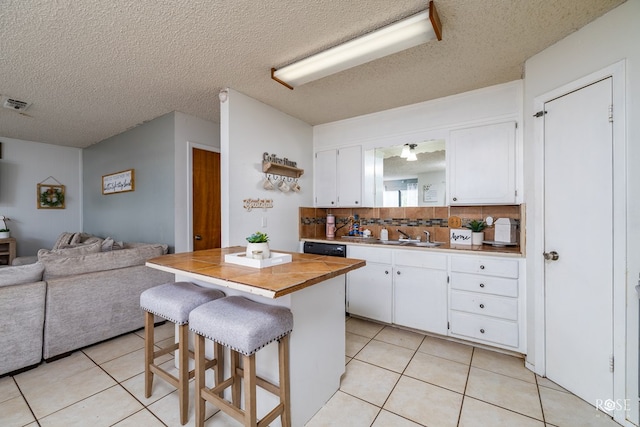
(198, 237)
(551, 256)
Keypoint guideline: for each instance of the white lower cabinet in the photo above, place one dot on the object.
(406, 288)
(370, 288)
(472, 297)
(420, 290)
(486, 301)
(369, 291)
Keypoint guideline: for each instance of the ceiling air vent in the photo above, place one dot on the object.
(14, 104)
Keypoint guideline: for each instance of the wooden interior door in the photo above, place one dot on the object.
(578, 221)
(207, 216)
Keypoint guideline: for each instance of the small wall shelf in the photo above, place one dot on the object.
(282, 170)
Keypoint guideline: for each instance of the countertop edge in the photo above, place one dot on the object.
(457, 250)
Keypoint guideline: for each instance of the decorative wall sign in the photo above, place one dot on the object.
(249, 204)
(119, 182)
(50, 196)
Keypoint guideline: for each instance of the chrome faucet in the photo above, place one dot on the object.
(404, 234)
(428, 236)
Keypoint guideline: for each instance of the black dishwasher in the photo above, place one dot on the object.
(329, 249)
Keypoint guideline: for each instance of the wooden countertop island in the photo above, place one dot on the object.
(313, 288)
(272, 282)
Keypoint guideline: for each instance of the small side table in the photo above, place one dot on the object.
(7, 250)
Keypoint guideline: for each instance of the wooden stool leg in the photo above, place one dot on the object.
(148, 353)
(200, 377)
(250, 412)
(235, 385)
(183, 374)
(285, 397)
(218, 354)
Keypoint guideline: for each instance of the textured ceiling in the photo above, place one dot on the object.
(94, 68)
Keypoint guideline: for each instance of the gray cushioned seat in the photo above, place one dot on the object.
(174, 301)
(241, 324)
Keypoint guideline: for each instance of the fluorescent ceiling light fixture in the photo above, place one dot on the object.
(409, 32)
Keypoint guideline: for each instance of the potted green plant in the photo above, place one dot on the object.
(4, 231)
(258, 246)
(477, 233)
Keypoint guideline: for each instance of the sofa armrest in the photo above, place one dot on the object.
(24, 260)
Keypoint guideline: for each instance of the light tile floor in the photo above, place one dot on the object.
(393, 378)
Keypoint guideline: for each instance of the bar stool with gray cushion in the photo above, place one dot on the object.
(244, 326)
(174, 302)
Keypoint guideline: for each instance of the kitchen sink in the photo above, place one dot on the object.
(411, 243)
(390, 242)
(425, 244)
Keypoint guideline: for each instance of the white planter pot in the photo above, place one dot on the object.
(477, 238)
(5, 234)
(264, 247)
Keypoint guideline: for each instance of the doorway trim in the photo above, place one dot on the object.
(190, 147)
(535, 260)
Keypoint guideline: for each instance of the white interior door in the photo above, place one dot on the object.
(578, 224)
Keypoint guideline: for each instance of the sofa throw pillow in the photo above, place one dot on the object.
(18, 275)
(63, 239)
(110, 245)
(88, 241)
(91, 248)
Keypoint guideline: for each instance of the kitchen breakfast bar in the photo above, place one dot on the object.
(313, 288)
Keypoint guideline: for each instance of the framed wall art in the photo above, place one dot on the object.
(119, 182)
(50, 196)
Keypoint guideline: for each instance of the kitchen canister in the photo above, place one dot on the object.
(331, 226)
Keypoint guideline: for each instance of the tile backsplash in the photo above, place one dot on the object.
(413, 221)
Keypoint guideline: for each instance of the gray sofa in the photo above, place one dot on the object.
(80, 296)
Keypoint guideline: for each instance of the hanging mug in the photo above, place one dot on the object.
(283, 186)
(268, 184)
(295, 186)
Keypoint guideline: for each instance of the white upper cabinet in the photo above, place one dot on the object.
(338, 177)
(482, 165)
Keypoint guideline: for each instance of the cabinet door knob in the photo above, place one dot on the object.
(197, 237)
(386, 272)
(398, 273)
(482, 285)
(482, 267)
(481, 305)
(482, 331)
(551, 256)
(356, 202)
(455, 199)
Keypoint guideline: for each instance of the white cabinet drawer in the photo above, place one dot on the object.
(484, 328)
(381, 255)
(486, 266)
(488, 305)
(420, 259)
(484, 284)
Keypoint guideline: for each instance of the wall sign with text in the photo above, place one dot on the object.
(119, 182)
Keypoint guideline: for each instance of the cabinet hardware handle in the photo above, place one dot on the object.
(481, 305)
(197, 237)
(551, 256)
(455, 199)
(386, 272)
(482, 267)
(482, 331)
(482, 285)
(356, 202)
(398, 273)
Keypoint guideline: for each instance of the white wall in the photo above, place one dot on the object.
(423, 121)
(604, 42)
(250, 128)
(189, 132)
(23, 165)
